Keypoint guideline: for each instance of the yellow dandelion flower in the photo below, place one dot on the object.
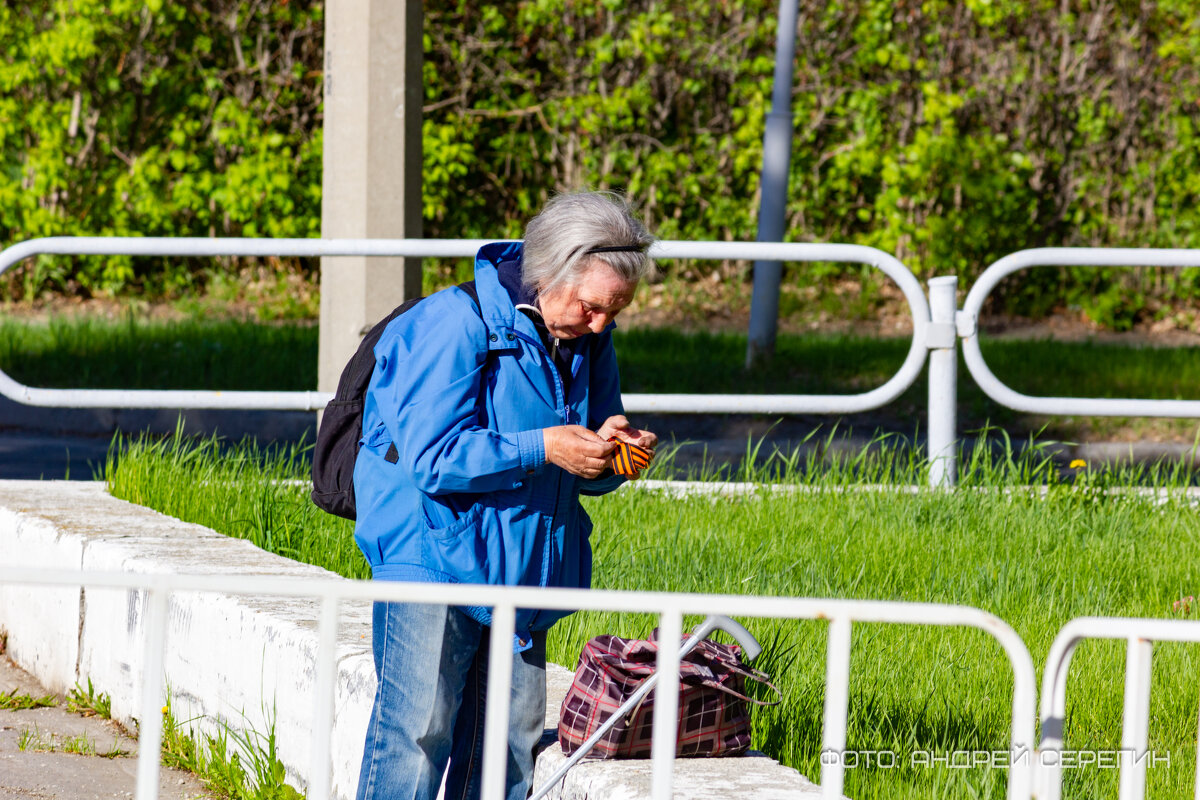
(1077, 464)
(164, 709)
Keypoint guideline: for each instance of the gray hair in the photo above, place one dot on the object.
(557, 240)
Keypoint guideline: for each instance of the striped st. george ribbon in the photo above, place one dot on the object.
(629, 459)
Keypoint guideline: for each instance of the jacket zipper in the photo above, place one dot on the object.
(560, 396)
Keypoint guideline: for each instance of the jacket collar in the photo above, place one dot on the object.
(496, 305)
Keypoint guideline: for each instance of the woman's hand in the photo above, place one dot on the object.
(619, 427)
(577, 450)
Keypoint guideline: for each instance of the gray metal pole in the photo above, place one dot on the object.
(777, 153)
(943, 382)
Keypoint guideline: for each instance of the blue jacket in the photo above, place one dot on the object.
(464, 394)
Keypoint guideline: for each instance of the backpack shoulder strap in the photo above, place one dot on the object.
(357, 372)
(473, 293)
(336, 446)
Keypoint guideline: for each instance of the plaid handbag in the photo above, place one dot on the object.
(714, 718)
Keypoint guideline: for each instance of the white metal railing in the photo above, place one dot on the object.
(504, 601)
(967, 322)
(199, 247)
(914, 295)
(1140, 634)
(445, 248)
(936, 327)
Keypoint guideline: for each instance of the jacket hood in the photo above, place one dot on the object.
(497, 303)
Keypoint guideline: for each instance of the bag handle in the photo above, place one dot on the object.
(732, 666)
(755, 675)
(750, 647)
(731, 626)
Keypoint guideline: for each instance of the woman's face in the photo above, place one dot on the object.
(572, 310)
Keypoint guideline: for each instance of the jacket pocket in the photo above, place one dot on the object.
(459, 550)
(447, 516)
(377, 437)
(575, 568)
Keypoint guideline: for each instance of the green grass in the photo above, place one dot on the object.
(89, 702)
(234, 764)
(237, 355)
(11, 701)
(1035, 558)
(136, 353)
(241, 490)
(1035, 563)
(33, 740)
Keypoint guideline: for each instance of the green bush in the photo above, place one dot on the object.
(156, 119)
(948, 133)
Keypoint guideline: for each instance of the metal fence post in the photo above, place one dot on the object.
(1135, 725)
(837, 707)
(324, 696)
(943, 381)
(150, 725)
(664, 721)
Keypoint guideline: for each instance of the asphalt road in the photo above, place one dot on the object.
(78, 452)
(32, 455)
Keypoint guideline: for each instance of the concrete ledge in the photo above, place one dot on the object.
(247, 661)
(754, 775)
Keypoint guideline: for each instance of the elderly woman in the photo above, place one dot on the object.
(484, 421)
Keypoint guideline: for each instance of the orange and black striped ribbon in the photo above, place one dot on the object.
(629, 459)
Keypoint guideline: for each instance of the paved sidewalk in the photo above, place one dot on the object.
(52, 774)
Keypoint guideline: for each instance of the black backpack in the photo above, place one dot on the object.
(341, 425)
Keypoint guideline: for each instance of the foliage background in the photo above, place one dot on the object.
(948, 132)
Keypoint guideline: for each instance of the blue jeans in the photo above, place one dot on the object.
(432, 665)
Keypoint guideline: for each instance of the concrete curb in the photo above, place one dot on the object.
(246, 661)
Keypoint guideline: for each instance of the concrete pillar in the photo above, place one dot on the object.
(371, 184)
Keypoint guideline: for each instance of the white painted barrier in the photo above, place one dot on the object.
(1139, 636)
(432, 248)
(967, 323)
(938, 337)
